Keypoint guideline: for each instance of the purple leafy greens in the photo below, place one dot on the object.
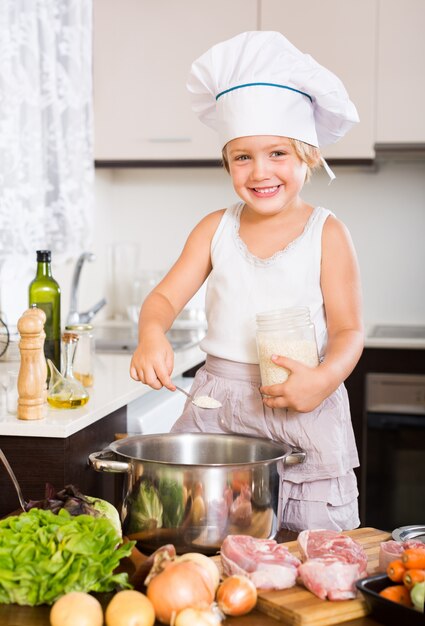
(68, 498)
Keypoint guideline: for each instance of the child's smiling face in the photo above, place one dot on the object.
(266, 172)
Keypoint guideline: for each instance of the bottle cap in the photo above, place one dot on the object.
(44, 255)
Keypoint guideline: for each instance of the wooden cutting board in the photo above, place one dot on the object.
(299, 607)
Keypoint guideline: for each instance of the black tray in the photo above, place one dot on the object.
(385, 611)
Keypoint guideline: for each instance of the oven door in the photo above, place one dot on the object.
(395, 474)
(395, 451)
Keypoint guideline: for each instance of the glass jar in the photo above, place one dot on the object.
(65, 391)
(12, 392)
(83, 365)
(285, 332)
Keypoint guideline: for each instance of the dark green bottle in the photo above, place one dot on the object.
(45, 293)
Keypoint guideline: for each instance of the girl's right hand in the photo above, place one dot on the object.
(153, 361)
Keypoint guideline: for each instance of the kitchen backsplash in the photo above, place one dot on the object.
(156, 209)
(384, 210)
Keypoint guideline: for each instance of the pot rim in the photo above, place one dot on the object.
(278, 446)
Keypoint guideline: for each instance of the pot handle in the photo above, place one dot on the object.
(103, 462)
(297, 456)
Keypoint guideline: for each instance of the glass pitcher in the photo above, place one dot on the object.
(65, 391)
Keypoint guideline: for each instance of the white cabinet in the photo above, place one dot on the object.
(340, 35)
(401, 72)
(143, 50)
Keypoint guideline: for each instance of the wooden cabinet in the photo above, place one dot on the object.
(342, 37)
(401, 62)
(143, 50)
(37, 460)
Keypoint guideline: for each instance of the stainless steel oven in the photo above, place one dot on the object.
(395, 450)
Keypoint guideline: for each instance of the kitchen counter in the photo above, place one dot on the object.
(14, 615)
(56, 449)
(401, 343)
(113, 388)
(398, 336)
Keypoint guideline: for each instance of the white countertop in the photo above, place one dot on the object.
(113, 389)
(398, 343)
(399, 336)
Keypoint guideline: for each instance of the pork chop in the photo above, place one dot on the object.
(267, 563)
(332, 563)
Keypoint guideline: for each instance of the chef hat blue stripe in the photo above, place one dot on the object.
(264, 85)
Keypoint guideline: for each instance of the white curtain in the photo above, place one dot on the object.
(46, 157)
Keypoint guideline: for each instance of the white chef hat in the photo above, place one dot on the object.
(258, 83)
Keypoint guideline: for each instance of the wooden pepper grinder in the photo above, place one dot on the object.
(34, 310)
(33, 369)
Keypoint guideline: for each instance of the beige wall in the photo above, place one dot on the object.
(156, 209)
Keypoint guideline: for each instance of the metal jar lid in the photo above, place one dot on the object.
(79, 327)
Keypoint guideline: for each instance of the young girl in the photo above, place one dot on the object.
(272, 107)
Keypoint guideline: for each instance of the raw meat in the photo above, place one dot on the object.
(332, 563)
(267, 563)
(330, 579)
(392, 550)
(331, 545)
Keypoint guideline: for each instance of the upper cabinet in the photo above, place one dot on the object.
(401, 76)
(143, 50)
(342, 37)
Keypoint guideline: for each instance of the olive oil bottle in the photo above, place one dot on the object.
(44, 292)
(65, 391)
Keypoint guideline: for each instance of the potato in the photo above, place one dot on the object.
(76, 609)
(130, 608)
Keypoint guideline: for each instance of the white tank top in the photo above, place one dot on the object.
(241, 285)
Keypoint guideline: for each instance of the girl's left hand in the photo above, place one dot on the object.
(303, 391)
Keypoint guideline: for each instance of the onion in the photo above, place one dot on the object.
(181, 585)
(198, 617)
(236, 595)
(205, 562)
(76, 608)
(128, 608)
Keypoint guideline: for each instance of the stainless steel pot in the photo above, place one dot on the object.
(193, 490)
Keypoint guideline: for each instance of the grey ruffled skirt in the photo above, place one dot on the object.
(319, 493)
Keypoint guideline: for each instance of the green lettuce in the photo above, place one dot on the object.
(146, 510)
(43, 556)
(106, 509)
(171, 494)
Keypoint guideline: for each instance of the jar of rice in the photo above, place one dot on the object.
(285, 332)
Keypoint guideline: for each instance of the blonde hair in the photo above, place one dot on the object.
(308, 154)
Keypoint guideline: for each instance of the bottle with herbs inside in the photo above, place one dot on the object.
(44, 292)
